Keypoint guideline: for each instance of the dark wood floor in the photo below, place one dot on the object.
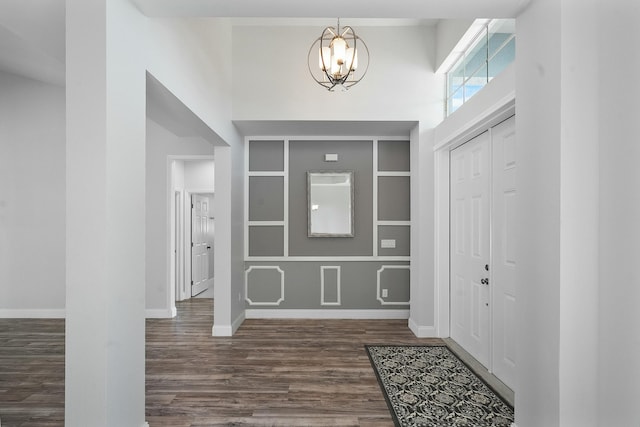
(272, 372)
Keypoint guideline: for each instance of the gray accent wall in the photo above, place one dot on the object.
(266, 241)
(266, 155)
(402, 236)
(284, 267)
(356, 156)
(393, 156)
(302, 285)
(266, 198)
(394, 203)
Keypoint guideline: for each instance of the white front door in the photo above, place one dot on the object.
(199, 244)
(470, 246)
(503, 138)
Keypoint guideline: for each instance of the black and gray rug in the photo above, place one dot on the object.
(430, 386)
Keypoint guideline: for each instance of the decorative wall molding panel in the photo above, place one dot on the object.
(391, 283)
(264, 285)
(332, 283)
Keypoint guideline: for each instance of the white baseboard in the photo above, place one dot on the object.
(422, 331)
(222, 331)
(236, 323)
(160, 313)
(228, 330)
(52, 313)
(326, 314)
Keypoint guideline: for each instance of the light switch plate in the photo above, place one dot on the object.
(388, 243)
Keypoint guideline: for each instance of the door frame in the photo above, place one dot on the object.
(177, 266)
(499, 112)
(185, 210)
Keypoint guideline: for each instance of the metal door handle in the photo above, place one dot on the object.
(484, 281)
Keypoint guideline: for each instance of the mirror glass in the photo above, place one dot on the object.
(330, 207)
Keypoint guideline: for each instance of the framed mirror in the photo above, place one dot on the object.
(330, 204)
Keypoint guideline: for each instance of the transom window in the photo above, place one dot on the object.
(488, 53)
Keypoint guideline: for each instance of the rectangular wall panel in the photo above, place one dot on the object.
(394, 156)
(266, 241)
(394, 198)
(402, 236)
(266, 156)
(330, 285)
(266, 198)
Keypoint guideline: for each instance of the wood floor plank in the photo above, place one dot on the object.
(271, 373)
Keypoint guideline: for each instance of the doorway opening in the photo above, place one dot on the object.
(192, 227)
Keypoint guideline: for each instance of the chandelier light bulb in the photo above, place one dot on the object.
(339, 49)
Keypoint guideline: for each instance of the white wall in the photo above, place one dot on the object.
(619, 212)
(538, 129)
(192, 59)
(577, 127)
(398, 85)
(32, 198)
(160, 145)
(449, 33)
(199, 175)
(579, 176)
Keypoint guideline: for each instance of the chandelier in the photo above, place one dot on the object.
(337, 51)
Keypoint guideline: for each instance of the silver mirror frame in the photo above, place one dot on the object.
(350, 174)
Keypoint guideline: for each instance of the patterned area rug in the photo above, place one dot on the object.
(430, 386)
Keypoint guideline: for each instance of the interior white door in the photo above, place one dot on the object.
(199, 244)
(503, 138)
(470, 246)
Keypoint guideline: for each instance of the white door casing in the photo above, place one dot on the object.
(178, 248)
(503, 284)
(470, 246)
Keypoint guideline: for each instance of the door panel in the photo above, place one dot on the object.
(504, 262)
(470, 203)
(199, 239)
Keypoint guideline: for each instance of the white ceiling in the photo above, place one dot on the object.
(32, 40)
(407, 9)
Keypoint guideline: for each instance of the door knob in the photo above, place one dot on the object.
(484, 281)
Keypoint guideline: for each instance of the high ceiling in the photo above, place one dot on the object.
(409, 9)
(32, 33)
